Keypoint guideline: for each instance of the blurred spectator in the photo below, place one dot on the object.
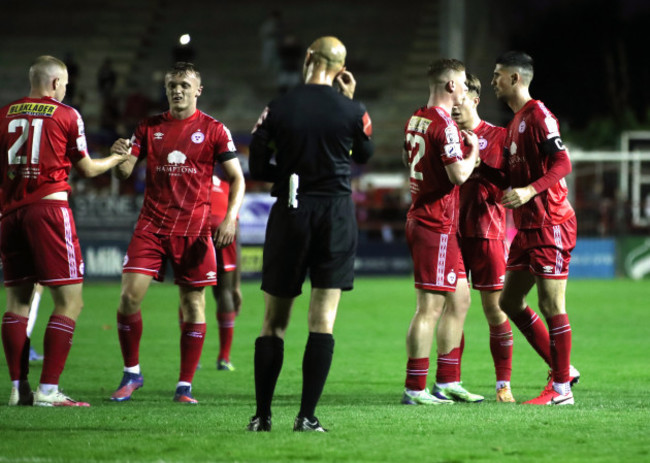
(271, 32)
(136, 107)
(73, 76)
(290, 54)
(106, 79)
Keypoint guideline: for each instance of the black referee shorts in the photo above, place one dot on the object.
(320, 235)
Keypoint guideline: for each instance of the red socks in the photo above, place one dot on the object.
(15, 342)
(192, 337)
(226, 322)
(449, 366)
(56, 346)
(560, 333)
(417, 370)
(501, 349)
(535, 331)
(129, 330)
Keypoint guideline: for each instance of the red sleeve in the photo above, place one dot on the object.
(138, 140)
(77, 145)
(560, 168)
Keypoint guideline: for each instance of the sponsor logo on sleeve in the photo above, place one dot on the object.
(367, 124)
(82, 145)
(453, 150)
(552, 127)
(231, 144)
(452, 135)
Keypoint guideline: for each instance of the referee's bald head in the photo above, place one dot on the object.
(328, 51)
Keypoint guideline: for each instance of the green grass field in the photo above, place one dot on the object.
(360, 405)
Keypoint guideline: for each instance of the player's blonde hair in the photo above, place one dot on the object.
(441, 67)
(182, 68)
(44, 68)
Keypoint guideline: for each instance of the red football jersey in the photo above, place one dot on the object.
(41, 138)
(181, 156)
(532, 126)
(481, 212)
(432, 142)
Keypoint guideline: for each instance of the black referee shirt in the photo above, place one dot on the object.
(311, 131)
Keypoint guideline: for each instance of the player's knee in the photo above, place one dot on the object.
(129, 302)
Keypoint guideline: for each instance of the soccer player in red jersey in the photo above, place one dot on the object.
(182, 147)
(536, 162)
(227, 293)
(440, 157)
(482, 233)
(42, 138)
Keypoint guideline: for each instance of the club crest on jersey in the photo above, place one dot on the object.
(198, 137)
(451, 278)
(522, 126)
(482, 143)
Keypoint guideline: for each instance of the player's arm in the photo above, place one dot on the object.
(560, 167)
(261, 151)
(460, 170)
(227, 229)
(124, 170)
(89, 167)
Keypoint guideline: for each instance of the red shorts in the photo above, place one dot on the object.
(226, 257)
(545, 252)
(437, 262)
(485, 261)
(192, 258)
(39, 243)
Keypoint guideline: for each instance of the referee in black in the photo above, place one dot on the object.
(303, 144)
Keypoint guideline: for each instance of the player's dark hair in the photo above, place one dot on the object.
(520, 60)
(182, 68)
(439, 67)
(473, 84)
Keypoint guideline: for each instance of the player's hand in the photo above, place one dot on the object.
(225, 233)
(469, 138)
(237, 300)
(517, 197)
(121, 147)
(346, 83)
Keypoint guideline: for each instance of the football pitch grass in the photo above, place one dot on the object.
(360, 405)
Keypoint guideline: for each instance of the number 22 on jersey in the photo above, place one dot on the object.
(415, 147)
(23, 124)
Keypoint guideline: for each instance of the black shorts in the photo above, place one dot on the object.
(320, 236)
